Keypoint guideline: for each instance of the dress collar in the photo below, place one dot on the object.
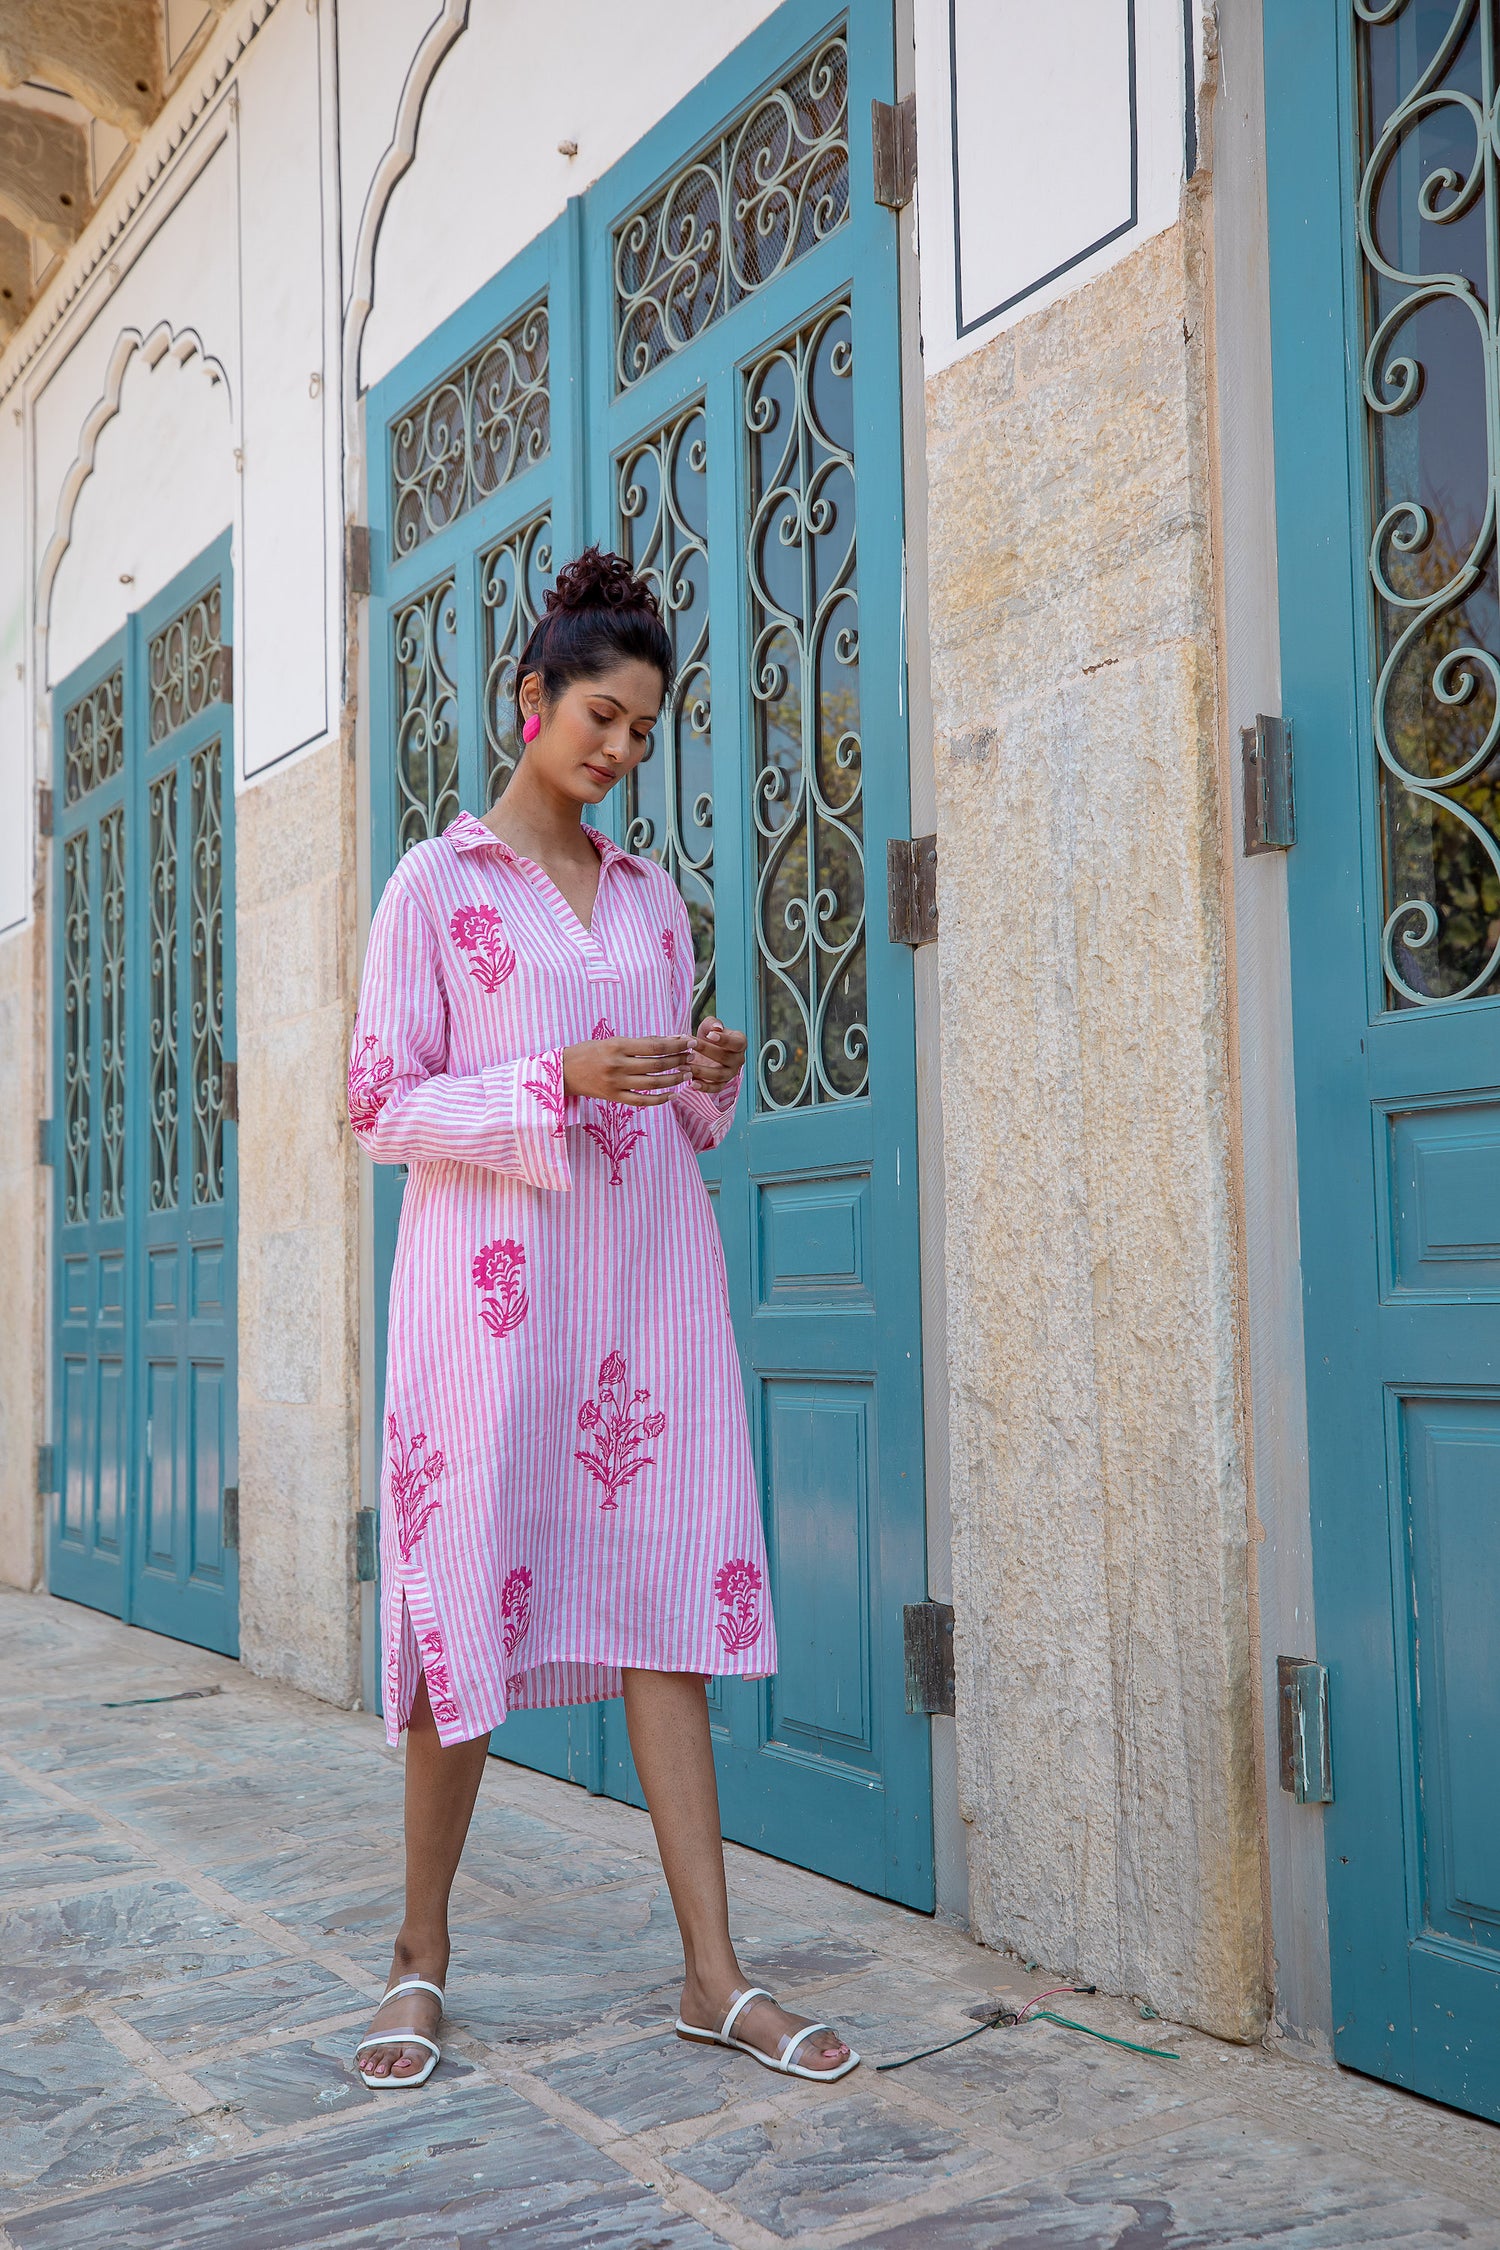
(468, 834)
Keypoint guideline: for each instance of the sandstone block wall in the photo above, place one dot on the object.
(22, 1216)
(298, 1228)
(1099, 1518)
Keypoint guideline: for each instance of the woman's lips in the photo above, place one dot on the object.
(600, 773)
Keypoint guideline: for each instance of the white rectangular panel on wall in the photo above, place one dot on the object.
(282, 669)
(1044, 126)
(1052, 140)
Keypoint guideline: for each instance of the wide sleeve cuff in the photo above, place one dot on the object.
(705, 1117)
(530, 1109)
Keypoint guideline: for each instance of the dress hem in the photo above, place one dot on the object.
(463, 1729)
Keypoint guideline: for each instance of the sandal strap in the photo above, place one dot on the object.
(399, 2039)
(738, 2007)
(414, 1984)
(790, 2047)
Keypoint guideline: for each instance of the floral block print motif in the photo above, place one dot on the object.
(439, 1686)
(370, 1075)
(737, 1591)
(515, 1608)
(618, 1424)
(669, 944)
(498, 1269)
(613, 1124)
(548, 1090)
(413, 1471)
(478, 931)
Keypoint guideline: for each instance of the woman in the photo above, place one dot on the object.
(569, 1507)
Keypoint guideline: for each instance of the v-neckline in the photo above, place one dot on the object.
(585, 929)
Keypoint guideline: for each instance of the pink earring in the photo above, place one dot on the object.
(532, 728)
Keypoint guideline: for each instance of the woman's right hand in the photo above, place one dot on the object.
(638, 1072)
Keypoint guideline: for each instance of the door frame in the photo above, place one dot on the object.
(216, 1624)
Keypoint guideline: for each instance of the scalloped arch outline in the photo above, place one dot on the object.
(446, 28)
(154, 345)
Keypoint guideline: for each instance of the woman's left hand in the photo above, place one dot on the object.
(718, 1053)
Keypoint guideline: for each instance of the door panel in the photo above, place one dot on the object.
(721, 311)
(1383, 238)
(146, 1188)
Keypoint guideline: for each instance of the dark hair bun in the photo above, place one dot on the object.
(596, 580)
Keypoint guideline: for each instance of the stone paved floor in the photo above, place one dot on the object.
(196, 1903)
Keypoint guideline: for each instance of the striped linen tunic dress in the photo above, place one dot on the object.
(567, 1485)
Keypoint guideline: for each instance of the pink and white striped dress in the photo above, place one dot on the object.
(567, 1483)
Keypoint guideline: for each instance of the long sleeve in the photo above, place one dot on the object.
(705, 1118)
(404, 1104)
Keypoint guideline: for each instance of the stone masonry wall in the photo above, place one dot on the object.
(1104, 1690)
(22, 1209)
(298, 1258)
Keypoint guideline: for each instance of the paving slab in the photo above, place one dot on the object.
(197, 1900)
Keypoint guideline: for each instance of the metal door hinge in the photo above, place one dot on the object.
(230, 1104)
(46, 1469)
(893, 136)
(1266, 763)
(911, 889)
(1302, 1736)
(366, 1545)
(929, 1657)
(230, 1519)
(357, 557)
(46, 1140)
(43, 808)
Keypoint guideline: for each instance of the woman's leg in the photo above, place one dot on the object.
(667, 1713)
(441, 1786)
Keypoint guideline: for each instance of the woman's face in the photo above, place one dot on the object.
(596, 732)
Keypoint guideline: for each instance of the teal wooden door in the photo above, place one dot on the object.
(1384, 230)
(723, 404)
(144, 1152)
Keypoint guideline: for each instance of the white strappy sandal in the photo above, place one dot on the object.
(403, 2039)
(781, 2061)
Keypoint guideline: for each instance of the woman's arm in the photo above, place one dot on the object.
(405, 1106)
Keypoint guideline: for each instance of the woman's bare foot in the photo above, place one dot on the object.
(764, 2024)
(407, 2011)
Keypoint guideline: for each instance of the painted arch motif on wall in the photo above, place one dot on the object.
(124, 410)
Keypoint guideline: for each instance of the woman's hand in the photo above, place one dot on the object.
(717, 1054)
(638, 1072)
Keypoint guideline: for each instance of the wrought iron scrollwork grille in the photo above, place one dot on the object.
(162, 907)
(77, 1001)
(188, 664)
(426, 655)
(662, 484)
(94, 737)
(472, 432)
(513, 577)
(813, 1037)
(1429, 235)
(760, 195)
(206, 971)
(112, 1014)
